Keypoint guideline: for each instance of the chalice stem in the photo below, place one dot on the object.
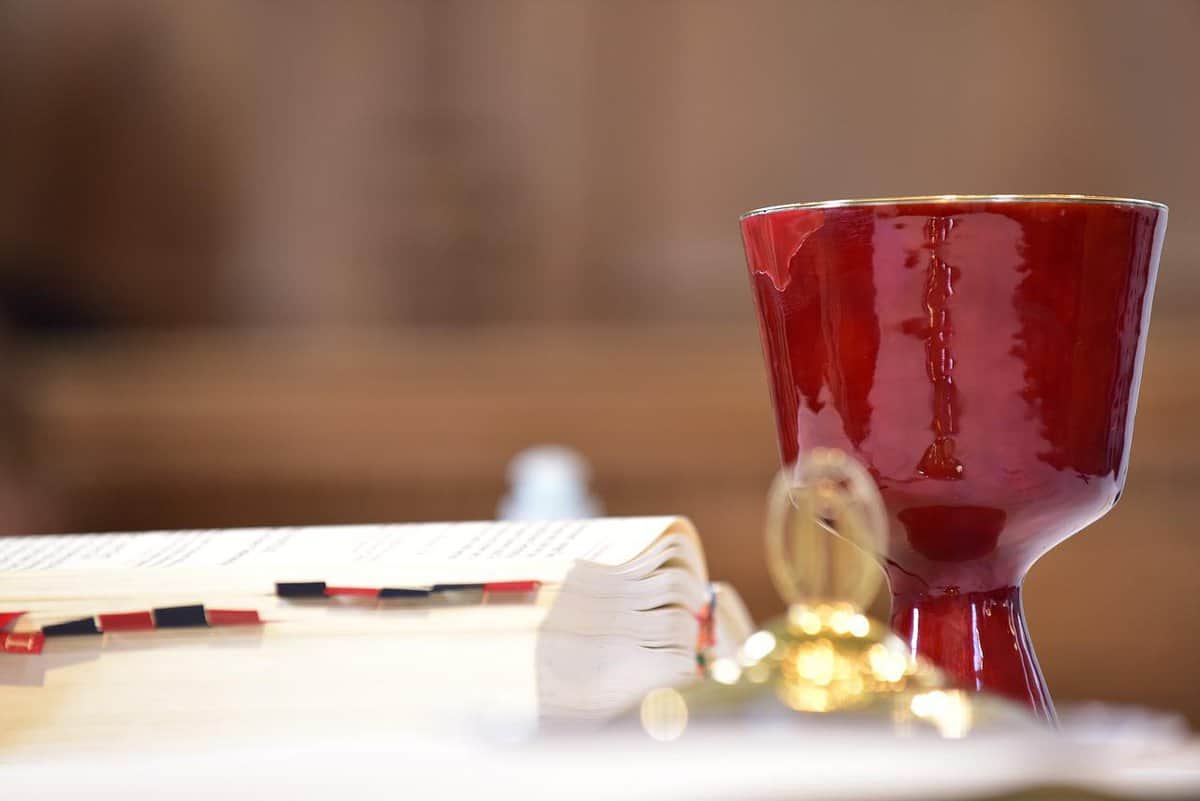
(997, 657)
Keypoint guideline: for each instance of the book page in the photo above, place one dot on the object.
(609, 541)
(420, 553)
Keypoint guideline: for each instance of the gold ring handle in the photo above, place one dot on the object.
(826, 524)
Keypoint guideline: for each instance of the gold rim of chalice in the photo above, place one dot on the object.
(893, 201)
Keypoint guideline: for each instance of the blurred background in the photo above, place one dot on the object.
(306, 262)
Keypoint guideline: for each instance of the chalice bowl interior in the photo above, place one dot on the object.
(980, 356)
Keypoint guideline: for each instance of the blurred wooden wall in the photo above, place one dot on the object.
(472, 226)
(473, 162)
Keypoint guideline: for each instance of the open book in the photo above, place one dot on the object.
(564, 619)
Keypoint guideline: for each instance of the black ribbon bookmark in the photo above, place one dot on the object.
(180, 617)
(398, 592)
(300, 589)
(86, 625)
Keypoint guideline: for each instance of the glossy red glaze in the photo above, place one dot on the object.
(981, 357)
(979, 638)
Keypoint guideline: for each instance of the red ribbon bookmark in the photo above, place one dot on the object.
(233, 617)
(29, 642)
(127, 621)
(512, 587)
(364, 592)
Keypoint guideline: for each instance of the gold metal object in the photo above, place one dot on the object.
(826, 658)
(825, 655)
(825, 519)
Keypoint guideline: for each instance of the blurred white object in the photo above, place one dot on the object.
(548, 482)
(1130, 727)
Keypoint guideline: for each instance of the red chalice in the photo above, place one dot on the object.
(981, 357)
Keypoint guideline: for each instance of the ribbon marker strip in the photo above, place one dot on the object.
(512, 587)
(29, 642)
(86, 625)
(300, 589)
(24, 643)
(190, 616)
(440, 592)
(399, 593)
(198, 616)
(706, 638)
(351, 592)
(180, 617)
(127, 621)
(232, 617)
